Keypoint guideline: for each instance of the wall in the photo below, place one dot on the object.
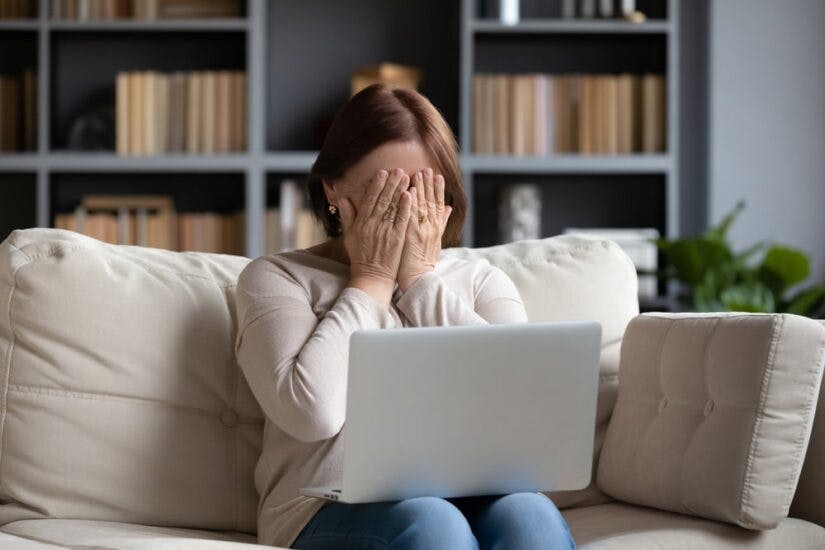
(766, 121)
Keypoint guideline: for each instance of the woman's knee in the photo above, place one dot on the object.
(525, 520)
(431, 522)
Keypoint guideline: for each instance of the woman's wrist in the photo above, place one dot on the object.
(379, 289)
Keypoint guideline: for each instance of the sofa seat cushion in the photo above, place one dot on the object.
(77, 533)
(620, 526)
(714, 414)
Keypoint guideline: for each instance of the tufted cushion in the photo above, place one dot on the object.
(714, 414)
(570, 278)
(121, 399)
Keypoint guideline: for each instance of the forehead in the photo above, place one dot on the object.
(410, 156)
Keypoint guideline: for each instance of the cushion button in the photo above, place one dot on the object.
(662, 404)
(229, 417)
(708, 407)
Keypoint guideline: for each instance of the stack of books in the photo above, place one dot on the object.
(17, 9)
(192, 112)
(541, 114)
(143, 9)
(18, 111)
(151, 220)
(291, 225)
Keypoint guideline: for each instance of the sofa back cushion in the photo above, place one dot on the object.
(714, 414)
(120, 396)
(572, 278)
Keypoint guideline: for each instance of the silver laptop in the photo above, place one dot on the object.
(468, 410)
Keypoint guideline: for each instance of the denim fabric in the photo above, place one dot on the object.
(512, 522)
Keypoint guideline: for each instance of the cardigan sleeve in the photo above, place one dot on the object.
(296, 364)
(430, 301)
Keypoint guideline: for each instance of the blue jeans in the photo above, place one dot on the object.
(511, 522)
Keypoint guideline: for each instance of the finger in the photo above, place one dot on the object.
(428, 185)
(374, 188)
(428, 189)
(439, 195)
(385, 198)
(402, 186)
(404, 207)
(439, 190)
(347, 213)
(414, 211)
(420, 196)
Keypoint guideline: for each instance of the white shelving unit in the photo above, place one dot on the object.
(265, 155)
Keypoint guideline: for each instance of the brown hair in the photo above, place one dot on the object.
(374, 116)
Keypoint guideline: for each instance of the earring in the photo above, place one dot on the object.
(332, 209)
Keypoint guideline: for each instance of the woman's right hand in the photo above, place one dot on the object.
(374, 234)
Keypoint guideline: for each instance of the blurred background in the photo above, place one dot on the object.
(692, 132)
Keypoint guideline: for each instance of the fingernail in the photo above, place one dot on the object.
(383, 173)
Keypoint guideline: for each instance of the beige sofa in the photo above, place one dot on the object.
(125, 422)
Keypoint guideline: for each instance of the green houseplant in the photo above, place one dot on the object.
(758, 279)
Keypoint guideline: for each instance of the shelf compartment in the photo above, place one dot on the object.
(575, 200)
(552, 9)
(221, 192)
(302, 98)
(570, 53)
(18, 192)
(104, 54)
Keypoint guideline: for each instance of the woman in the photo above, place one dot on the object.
(387, 187)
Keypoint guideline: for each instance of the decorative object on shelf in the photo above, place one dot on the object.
(181, 111)
(509, 11)
(539, 114)
(18, 9)
(93, 130)
(385, 73)
(86, 10)
(639, 245)
(291, 225)
(519, 212)
(714, 278)
(587, 9)
(18, 111)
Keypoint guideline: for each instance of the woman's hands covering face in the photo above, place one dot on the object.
(395, 232)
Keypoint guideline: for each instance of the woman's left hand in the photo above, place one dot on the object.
(428, 219)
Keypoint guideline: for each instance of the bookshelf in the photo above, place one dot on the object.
(298, 59)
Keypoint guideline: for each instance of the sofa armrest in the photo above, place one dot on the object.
(809, 500)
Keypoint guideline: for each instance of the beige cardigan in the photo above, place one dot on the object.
(295, 317)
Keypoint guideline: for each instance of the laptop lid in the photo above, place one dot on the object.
(470, 410)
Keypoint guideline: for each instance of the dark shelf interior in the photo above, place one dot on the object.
(653, 9)
(79, 86)
(18, 51)
(617, 201)
(303, 97)
(571, 53)
(214, 192)
(273, 186)
(18, 198)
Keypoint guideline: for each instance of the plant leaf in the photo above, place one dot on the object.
(720, 231)
(806, 302)
(753, 297)
(783, 267)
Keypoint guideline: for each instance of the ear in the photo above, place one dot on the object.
(329, 191)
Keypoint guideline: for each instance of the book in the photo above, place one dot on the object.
(653, 113)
